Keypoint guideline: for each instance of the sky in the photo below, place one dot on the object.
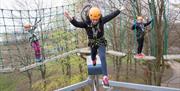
(175, 1)
(10, 4)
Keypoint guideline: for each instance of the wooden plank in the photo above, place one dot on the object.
(48, 60)
(166, 57)
(116, 53)
(146, 58)
(6, 70)
(85, 50)
(173, 56)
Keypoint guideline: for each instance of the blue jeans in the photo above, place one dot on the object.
(102, 54)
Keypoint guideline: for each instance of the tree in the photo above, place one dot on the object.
(24, 58)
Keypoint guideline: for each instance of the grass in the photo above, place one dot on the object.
(55, 77)
(4, 80)
(9, 82)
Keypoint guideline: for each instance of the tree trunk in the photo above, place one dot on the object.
(29, 74)
(43, 75)
(127, 68)
(157, 10)
(149, 79)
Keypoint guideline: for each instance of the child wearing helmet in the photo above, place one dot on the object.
(139, 26)
(94, 27)
(33, 40)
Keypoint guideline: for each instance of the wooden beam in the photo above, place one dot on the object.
(48, 60)
(169, 57)
(6, 70)
(87, 51)
(116, 53)
(146, 58)
(166, 57)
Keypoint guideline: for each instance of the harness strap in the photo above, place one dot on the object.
(97, 42)
(33, 38)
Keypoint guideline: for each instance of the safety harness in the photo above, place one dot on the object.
(32, 36)
(96, 42)
(140, 33)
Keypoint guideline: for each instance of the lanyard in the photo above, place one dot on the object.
(95, 30)
(142, 27)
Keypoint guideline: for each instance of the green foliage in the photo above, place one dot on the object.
(9, 82)
(59, 41)
(56, 79)
(4, 80)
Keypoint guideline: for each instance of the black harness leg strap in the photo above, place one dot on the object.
(97, 42)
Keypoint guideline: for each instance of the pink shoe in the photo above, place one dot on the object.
(105, 81)
(138, 56)
(142, 54)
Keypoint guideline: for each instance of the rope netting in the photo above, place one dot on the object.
(53, 31)
(56, 33)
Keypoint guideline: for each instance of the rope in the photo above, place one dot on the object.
(134, 16)
(166, 26)
(84, 12)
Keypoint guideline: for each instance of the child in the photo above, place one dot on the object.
(33, 40)
(139, 26)
(94, 27)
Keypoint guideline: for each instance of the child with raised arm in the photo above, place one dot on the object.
(94, 27)
(139, 26)
(33, 39)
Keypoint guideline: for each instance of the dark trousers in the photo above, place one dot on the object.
(140, 44)
(93, 52)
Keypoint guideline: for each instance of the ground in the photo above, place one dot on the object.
(174, 81)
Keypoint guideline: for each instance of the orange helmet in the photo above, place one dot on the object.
(139, 18)
(94, 13)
